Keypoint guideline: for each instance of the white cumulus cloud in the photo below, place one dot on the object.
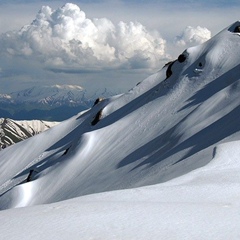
(192, 36)
(66, 40)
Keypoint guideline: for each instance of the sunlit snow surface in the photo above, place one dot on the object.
(158, 131)
(203, 204)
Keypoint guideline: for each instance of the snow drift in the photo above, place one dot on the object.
(166, 126)
(203, 204)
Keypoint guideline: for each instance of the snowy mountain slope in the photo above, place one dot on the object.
(15, 131)
(166, 126)
(203, 204)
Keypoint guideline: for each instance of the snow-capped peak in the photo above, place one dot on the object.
(55, 95)
(5, 96)
(70, 87)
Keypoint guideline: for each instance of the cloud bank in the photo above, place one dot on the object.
(63, 45)
(66, 40)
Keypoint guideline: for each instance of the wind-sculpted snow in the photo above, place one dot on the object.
(161, 129)
(203, 204)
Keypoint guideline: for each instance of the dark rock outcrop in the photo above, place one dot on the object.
(182, 58)
(237, 29)
(169, 69)
(31, 174)
(97, 101)
(97, 118)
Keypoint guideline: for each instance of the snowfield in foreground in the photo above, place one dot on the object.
(159, 162)
(203, 204)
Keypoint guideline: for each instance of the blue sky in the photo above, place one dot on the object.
(163, 22)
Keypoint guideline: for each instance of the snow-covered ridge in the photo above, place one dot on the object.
(72, 87)
(51, 95)
(181, 124)
(55, 95)
(36, 126)
(6, 96)
(49, 103)
(15, 131)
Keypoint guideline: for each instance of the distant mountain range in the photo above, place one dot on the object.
(15, 131)
(49, 103)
